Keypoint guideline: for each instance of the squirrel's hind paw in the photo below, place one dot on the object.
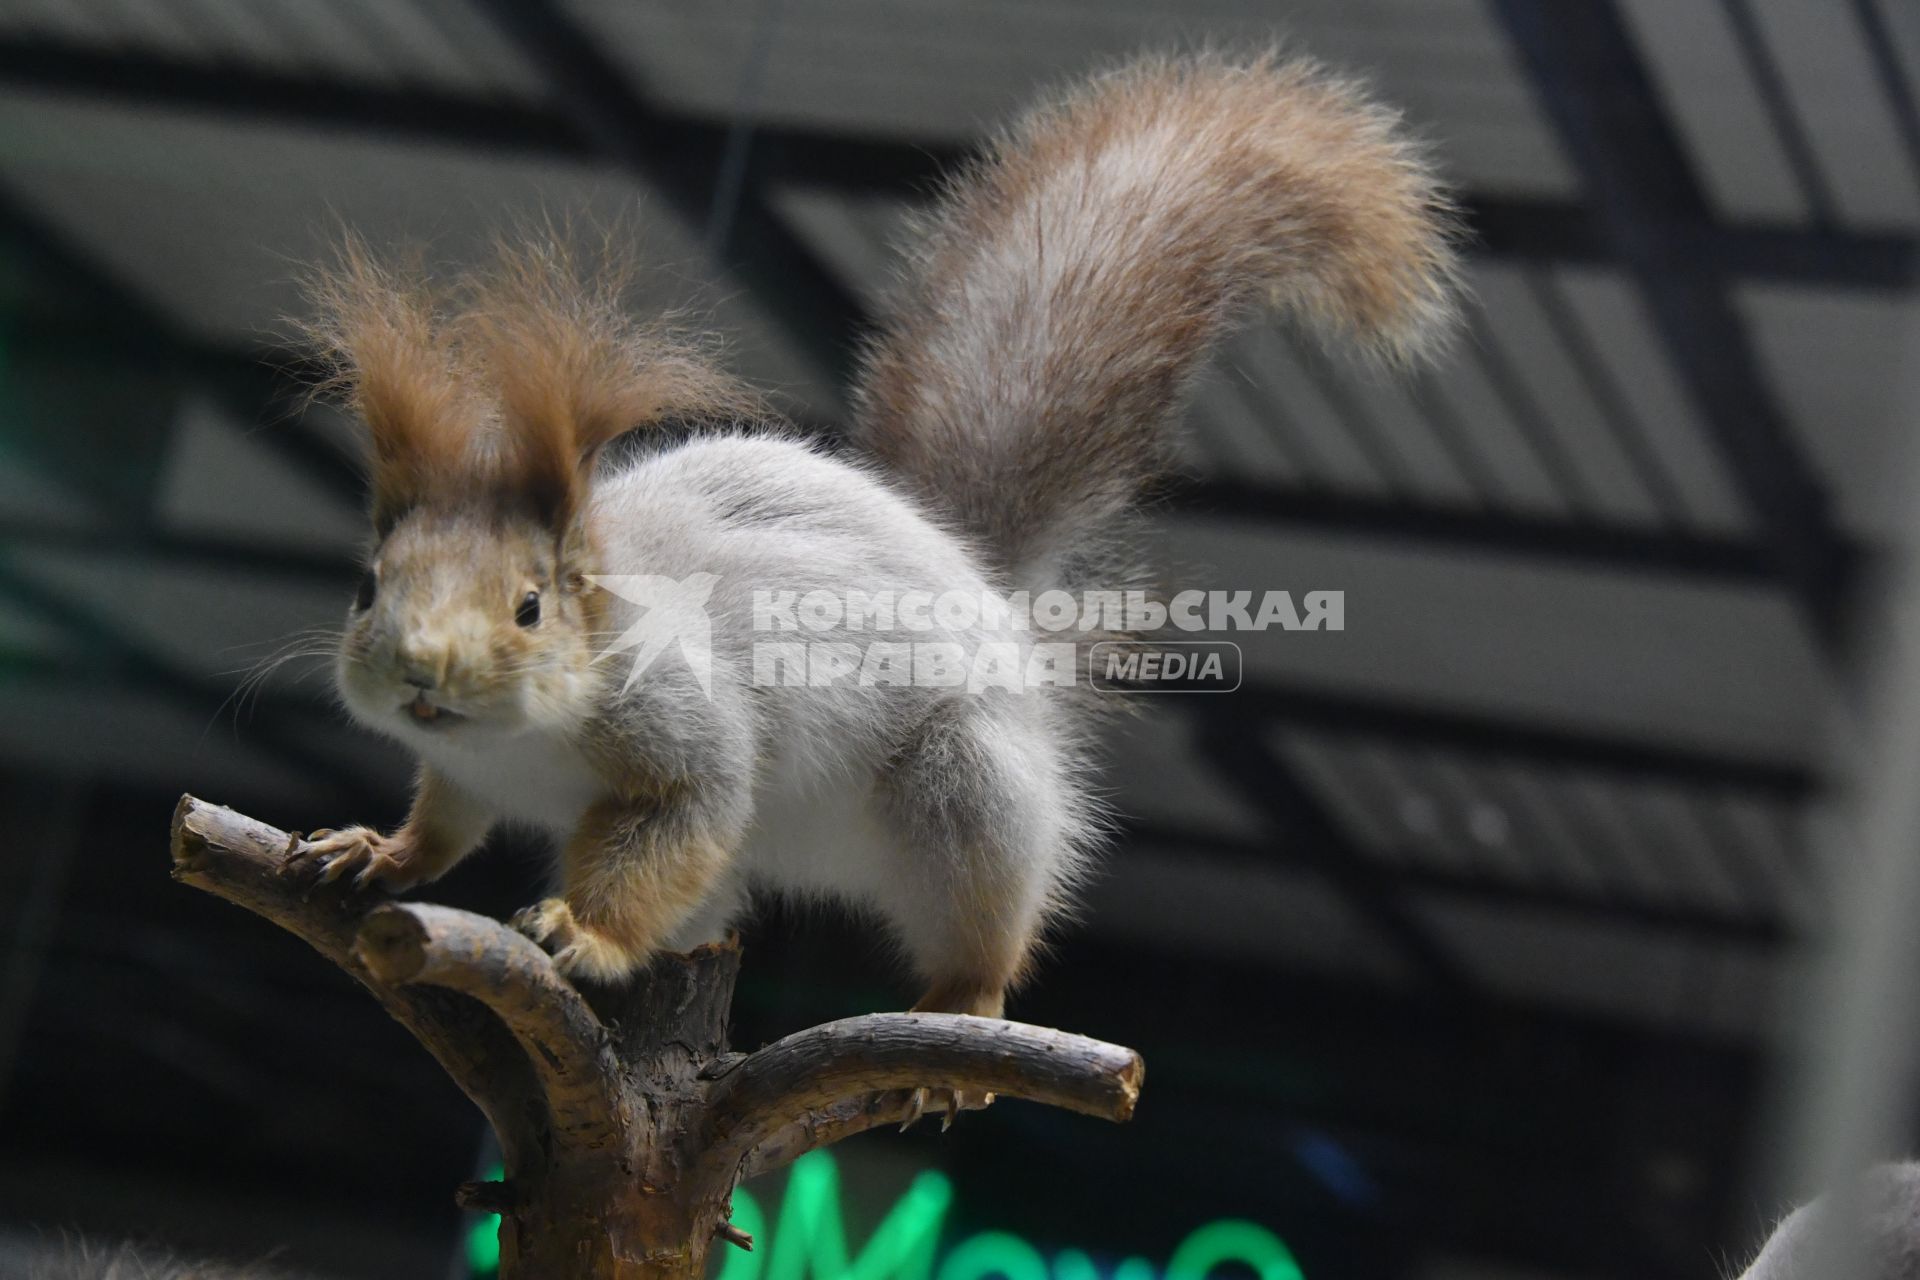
(548, 920)
(579, 949)
(947, 1103)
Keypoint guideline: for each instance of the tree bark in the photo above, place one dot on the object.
(624, 1119)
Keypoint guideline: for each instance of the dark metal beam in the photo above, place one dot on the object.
(287, 565)
(1238, 751)
(1502, 533)
(1362, 715)
(1783, 113)
(1551, 231)
(136, 77)
(1883, 48)
(1609, 115)
(1503, 226)
(1418, 874)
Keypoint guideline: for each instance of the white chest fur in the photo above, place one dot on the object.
(529, 777)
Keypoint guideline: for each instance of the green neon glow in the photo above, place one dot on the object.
(483, 1237)
(809, 1240)
(1071, 1264)
(483, 1245)
(994, 1253)
(1231, 1240)
(811, 1234)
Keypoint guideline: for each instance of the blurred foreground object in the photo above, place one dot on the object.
(84, 1260)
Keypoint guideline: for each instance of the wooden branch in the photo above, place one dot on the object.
(816, 1086)
(234, 857)
(570, 1051)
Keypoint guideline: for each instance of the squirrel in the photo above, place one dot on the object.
(1008, 417)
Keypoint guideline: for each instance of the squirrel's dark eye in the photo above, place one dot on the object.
(529, 611)
(369, 583)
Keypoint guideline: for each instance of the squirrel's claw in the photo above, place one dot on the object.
(948, 1102)
(578, 947)
(380, 871)
(299, 850)
(373, 859)
(916, 1107)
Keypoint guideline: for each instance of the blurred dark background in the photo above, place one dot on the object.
(1458, 942)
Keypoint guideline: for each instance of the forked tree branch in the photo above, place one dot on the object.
(624, 1119)
(234, 857)
(568, 1048)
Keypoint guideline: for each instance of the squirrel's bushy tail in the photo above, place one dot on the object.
(1070, 283)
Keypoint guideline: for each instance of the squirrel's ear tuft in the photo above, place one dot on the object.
(393, 362)
(574, 369)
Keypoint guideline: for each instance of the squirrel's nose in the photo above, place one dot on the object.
(421, 666)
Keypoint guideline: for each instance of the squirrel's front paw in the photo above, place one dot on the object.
(373, 859)
(579, 949)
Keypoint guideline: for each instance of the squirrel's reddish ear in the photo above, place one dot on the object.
(397, 367)
(573, 370)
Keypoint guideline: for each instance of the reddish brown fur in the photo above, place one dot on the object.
(629, 882)
(380, 327)
(504, 386)
(630, 877)
(573, 369)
